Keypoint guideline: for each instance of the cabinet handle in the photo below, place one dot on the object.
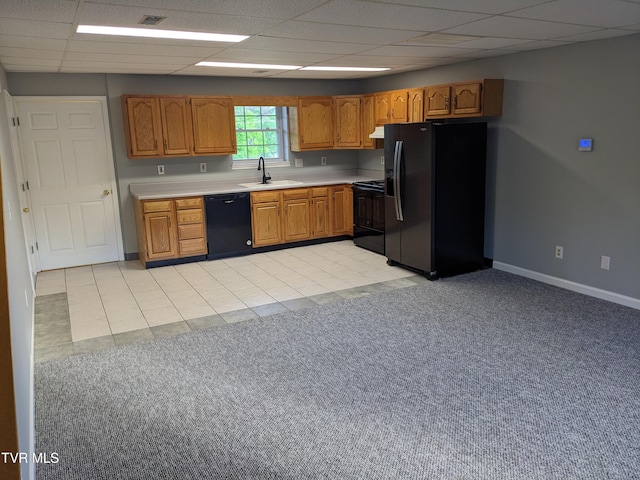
(165, 144)
(446, 103)
(455, 101)
(155, 143)
(169, 221)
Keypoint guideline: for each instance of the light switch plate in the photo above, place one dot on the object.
(298, 162)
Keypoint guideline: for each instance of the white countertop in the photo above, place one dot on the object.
(150, 191)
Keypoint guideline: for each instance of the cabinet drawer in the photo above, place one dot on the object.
(194, 230)
(295, 193)
(193, 246)
(157, 206)
(320, 192)
(261, 197)
(184, 203)
(190, 216)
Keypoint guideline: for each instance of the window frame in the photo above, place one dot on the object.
(283, 138)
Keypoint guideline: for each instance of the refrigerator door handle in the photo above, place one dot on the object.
(397, 160)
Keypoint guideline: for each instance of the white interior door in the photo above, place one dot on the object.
(25, 206)
(69, 165)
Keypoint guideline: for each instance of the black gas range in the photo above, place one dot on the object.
(368, 215)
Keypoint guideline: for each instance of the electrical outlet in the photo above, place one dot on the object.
(605, 262)
(160, 169)
(298, 162)
(203, 168)
(323, 160)
(382, 160)
(559, 252)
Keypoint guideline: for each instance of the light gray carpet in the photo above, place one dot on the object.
(481, 376)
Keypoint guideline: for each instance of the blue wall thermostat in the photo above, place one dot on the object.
(585, 144)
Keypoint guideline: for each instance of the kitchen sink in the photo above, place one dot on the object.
(272, 183)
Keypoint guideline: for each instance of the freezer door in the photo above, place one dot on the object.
(408, 195)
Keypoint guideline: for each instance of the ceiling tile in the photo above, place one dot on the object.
(261, 42)
(32, 42)
(601, 13)
(142, 49)
(30, 53)
(283, 58)
(382, 15)
(339, 33)
(47, 11)
(121, 16)
(492, 7)
(512, 27)
(9, 26)
(282, 9)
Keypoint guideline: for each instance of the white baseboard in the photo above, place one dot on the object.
(573, 286)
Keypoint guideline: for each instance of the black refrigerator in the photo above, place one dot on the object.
(435, 196)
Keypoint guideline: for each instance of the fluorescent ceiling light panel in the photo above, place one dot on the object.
(247, 65)
(347, 69)
(156, 33)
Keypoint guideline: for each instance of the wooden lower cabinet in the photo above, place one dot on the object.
(298, 214)
(341, 210)
(320, 212)
(297, 221)
(170, 228)
(266, 223)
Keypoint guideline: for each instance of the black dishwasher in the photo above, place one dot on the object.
(228, 224)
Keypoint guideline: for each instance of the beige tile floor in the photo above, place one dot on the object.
(116, 303)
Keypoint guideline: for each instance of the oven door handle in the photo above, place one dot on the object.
(397, 162)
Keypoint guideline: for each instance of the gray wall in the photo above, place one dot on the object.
(541, 191)
(21, 295)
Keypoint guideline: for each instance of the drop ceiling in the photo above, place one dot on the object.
(403, 35)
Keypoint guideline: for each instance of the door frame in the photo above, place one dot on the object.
(115, 199)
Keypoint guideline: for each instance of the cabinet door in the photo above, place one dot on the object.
(399, 106)
(143, 126)
(320, 217)
(214, 130)
(348, 111)
(467, 98)
(160, 234)
(437, 101)
(265, 222)
(341, 210)
(416, 105)
(297, 225)
(176, 126)
(382, 108)
(315, 123)
(368, 120)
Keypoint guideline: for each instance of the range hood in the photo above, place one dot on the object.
(377, 133)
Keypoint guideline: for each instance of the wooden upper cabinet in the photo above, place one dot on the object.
(382, 108)
(416, 105)
(399, 106)
(437, 100)
(481, 98)
(348, 114)
(214, 129)
(467, 98)
(143, 129)
(311, 124)
(368, 120)
(176, 126)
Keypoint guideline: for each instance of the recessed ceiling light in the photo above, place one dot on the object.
(347, 69)
(248, 65)
(155, 33)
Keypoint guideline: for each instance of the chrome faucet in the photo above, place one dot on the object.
(265, 176)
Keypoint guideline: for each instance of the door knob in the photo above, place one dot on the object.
(25, 209)
(106, 192)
